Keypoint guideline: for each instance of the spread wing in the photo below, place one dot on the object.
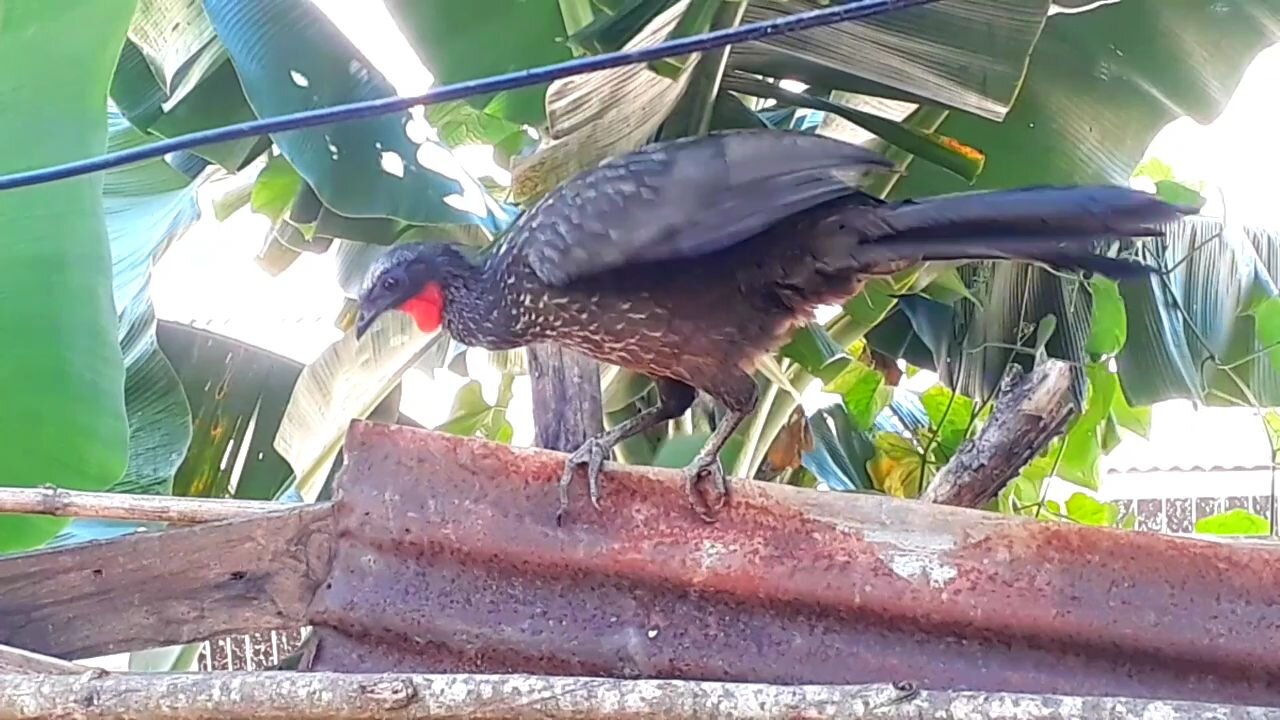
(684, 198)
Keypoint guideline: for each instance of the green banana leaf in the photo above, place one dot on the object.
(290, 57)
(62, 378)
(1101, 84)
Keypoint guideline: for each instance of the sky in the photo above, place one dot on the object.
(209, 279)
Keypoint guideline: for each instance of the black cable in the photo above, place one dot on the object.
(850, 10)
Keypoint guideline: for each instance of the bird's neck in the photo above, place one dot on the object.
(475, 311)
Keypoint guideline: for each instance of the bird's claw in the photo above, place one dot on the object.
(592, 454)
(694, 475)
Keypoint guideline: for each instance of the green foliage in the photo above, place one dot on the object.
(950, 417)
(473, 416)
(1108, 327)
(62, 374)
(1234, 522)
(863, 391)
(898, 467)
(368, 167)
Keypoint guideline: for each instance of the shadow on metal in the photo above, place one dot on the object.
(447, 559)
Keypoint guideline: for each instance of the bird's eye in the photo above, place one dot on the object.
(389, 283)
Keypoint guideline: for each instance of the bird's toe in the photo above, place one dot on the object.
(697, 479)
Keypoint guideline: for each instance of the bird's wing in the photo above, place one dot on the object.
(684, 198)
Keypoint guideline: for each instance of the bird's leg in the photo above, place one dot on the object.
(738, 394)
(674, 398)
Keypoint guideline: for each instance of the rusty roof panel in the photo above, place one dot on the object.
(448, 559)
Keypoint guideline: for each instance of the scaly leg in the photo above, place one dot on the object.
(674, 398)
(738, 394)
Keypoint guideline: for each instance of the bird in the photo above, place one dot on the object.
(690, 260)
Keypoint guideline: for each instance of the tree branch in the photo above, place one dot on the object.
(50, 500)
(342, 696)
(1030, 411)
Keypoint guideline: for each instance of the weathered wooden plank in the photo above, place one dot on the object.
(350, 696)
(566, 397)
(164, 588)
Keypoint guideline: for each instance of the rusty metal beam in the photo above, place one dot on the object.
(448, 559)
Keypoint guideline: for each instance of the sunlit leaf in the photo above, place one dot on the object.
(863, 391)
(276, 187)
(1234, 522)
(385, 166)
(898, 467)
(1108, 326)
(1085, 510)
(62, 374)
(950, 415)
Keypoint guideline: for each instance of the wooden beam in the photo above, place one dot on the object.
(567, 408)
(50, 500)
(343, 696)
(166, 588)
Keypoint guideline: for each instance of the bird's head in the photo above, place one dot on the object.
(414, 278)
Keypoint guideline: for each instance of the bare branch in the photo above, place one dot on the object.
(50, 500)
(1030, 411)
(340, 696)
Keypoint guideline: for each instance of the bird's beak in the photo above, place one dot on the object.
(364, 321)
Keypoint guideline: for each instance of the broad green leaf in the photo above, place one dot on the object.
(1081, 456)
(610, 28)
(864, 392)
(218, 101)
(62, 374)
(1185, 323)
(276, 187)
(473, 416)
(677, 451)
(1085, 510)
(347, 381)
(1266, 319)
(176, 40)
(945, 152)
(597, 115)
(812, 348)
(968, 55)
(840, 451)
(1178, 193)
(148, 206)
(897, 468)
(478, 38)
(380, 166)
(950, 415)
(174, 78)
(458, 123)
(1102, 83)
(1108, 330)
(1134, 419)
(1233, 522)
(237, 394)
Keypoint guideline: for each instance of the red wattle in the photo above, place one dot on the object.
(426, 308)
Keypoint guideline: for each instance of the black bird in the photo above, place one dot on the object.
(690, 260)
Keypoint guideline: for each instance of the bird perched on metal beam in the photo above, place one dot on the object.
(690, 260)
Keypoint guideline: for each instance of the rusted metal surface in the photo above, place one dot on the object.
(447, 558)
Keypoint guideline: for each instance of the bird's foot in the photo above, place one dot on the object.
(710, 472)
(592, 454)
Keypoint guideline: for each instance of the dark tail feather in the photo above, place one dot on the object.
(1054, 226)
